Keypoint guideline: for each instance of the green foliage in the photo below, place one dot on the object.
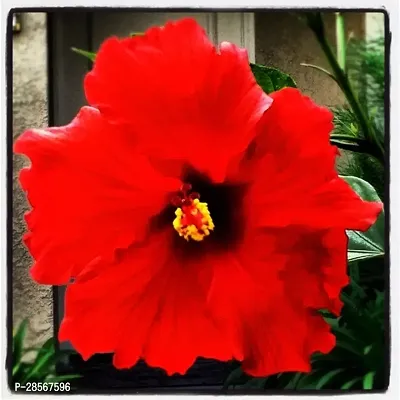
(369, 244)
(271, 79)
(368, 140)
(365, 68)
(36, 364)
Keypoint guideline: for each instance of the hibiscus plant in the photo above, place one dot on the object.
(198, 212)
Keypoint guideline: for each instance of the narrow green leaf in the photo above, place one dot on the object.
(368, 381)
(16, 369)
(367, 349)
(350, 383)
(91, 56)
(326, 378)
(18, 345)
(44, 360)
(346, 145)
(271, 79)
(20, 371)
(348, 138)
(308, 381)
(359, 255)
(40, 365)
(351, 348)
(26, 351)
(62, 378)
(293, 382)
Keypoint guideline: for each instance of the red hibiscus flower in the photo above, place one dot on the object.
(197, 219)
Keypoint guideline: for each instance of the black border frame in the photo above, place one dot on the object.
(9, 147)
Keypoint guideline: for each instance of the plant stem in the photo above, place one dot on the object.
(325, 71)
(316, 24)
(348, 138)
(340, 41)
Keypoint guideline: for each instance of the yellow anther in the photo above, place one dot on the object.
(193, 221)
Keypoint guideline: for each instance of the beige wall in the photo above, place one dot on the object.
(281, 41)
(29, 110)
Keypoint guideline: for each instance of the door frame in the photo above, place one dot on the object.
(223, 26)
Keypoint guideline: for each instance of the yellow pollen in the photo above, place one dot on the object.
(193, 221)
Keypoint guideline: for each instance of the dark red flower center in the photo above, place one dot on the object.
(193, 219)
(225, 209)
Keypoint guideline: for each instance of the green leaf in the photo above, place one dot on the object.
(16, 368)
(368, 381)
(91, 56)
(309, 381)
(349, 384)
(346, 145)
(348, 347)
(271, 79)
(43, 361)
(367, 349)
(369, 244)
(42, 364)
(347, 138)
(326, 378)
(293, 382)
(18, 345)
(62, 378)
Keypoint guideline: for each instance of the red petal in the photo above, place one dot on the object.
(286, 342)
(266, 330)
(331, 205)
(183, 99)
(295, 181)
(316, 267)
(90, 194)
(148, 305)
